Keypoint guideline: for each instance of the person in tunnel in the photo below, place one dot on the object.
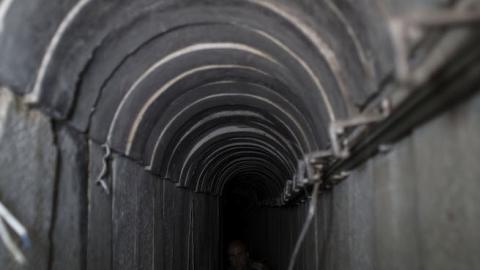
(239, 258)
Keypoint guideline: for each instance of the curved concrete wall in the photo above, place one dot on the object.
(170, 104)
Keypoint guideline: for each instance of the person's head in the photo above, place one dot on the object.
(238, 254)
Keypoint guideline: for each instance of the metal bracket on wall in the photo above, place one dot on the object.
(340, 142)
(347, 134)
(309, 172)
(102, 178)
(421, 104)
(408, 30)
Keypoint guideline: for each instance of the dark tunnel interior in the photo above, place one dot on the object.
(195, 116)
(237, 202)
(220, 105)
(241, 202)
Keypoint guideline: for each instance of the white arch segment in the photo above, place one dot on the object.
(34, 95)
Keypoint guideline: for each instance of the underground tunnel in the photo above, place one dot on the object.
(171, 128)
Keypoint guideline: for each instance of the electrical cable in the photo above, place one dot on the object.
(312, 209)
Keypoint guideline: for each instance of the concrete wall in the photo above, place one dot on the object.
(47, 180)
(28, 162)
(415, 207)
(146, 222)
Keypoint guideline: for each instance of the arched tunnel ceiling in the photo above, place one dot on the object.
(201, 92)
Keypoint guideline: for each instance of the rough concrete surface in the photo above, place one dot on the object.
(205, 93)
(415, 207)
(69, 228)
(27, 170)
